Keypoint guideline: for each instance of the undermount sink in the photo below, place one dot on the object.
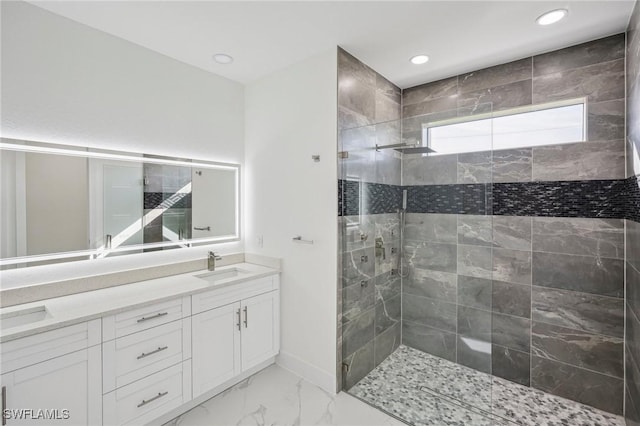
(23, 317)
(215, 276)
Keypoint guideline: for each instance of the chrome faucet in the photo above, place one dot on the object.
(211, 261)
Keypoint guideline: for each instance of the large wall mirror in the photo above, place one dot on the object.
(62, 203)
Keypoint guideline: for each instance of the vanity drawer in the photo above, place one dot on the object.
(140, 319)
(138, 355)
(223, 296)
(147, 399)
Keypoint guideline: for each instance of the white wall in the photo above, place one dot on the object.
(291, 115)
(65, 82)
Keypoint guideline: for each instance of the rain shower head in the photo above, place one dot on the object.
(406, 148)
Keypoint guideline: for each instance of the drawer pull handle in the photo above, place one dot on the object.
(238, 324)
(246, 318)
(146, 401)
(144, 355)
(161, 314)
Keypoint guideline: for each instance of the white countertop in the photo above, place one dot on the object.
(80, 307)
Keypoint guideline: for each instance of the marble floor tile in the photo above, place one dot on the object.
(276, 396)
(422, 389)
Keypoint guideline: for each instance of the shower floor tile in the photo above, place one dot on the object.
(426, 390)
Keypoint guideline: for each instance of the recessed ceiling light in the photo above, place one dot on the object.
(222, 58)
(420, 59)
(552, 17)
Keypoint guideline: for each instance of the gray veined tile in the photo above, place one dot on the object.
(429, 312)
(387, 314)
(433, 284)
(599, 82)
(511, 332)
(430, 91)
(385, 108)
(584, 236)
(429, 106)
(587, 387)
(357, 231)
(512, 165)
(387, 286)
(348, 119)
(601, 50)
(633, 243)
(357, 332)
(387, 260)
(434, 256)
(387, 167)
(358, 98)
(498, 75)
(437, 228)
(475, 261)
(474, 354)
(512, 266)
(632, 337)
(591, 351)
(580, 311)
(358, 265)
(496, 98)
(474, 167)
(579, 161)
(474, 292)
(475, 230)
(357, 299)
(360, 363)
(511, 364)
(606, 120)
(511, 299)
(633, 291)
(430, 340)
(387, 226)
(351, 68)
(475, 323)
(430, 170)
(388, 89)
(512, 232)
(587, 274)
(387, 342)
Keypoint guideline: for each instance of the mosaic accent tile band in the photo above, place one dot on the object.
(615, 199)
(165, 200)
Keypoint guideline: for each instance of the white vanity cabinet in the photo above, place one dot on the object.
(234, 330)
(59, 371)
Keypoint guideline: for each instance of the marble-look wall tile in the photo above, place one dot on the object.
(357, 232)
(510, 364)
(437, 228)
(632, 338)
(512, 266)
(511, 332)
(474, 292)
(475, 230)
(387, 314)
(587, 387)
(511, 299)
(512, 165)
(595, 237)
(430, 312)
(433, 256)
(633, 290)
(632, 377)
(387, 226)
(512, 232)
(357, 333)
(357, 299)
(580, 311)
(633, 243)
(605, 120)
(474, 323)
(360, 363)
(387, 286)
(429, 107)
(474, 167)
(498, 75)
(433, 284)
(387, 261)
(474, 261)
(386, 109)
(430, 340)
(387, 167)
(430, 91)
(431, 170)
(495, 98)
(585, 54)
(596, 275)
(387, 342)
(474, 354)
(358, 265)
(595, 352)
(599, 82)
(579, 161)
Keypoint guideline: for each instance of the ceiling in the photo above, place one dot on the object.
(264, 36)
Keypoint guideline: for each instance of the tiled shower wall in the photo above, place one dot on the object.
(368, 295)
(516, 257)
(632, 341)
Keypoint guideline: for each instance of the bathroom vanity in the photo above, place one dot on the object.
(138, 353)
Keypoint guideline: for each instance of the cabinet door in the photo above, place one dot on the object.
(260, 321)
(71, 382)
(216, 347)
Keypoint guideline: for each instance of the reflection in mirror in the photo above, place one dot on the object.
(67, 203)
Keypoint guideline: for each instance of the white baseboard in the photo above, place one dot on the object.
(309, 372)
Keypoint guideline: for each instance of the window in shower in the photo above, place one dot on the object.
(544, 124)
